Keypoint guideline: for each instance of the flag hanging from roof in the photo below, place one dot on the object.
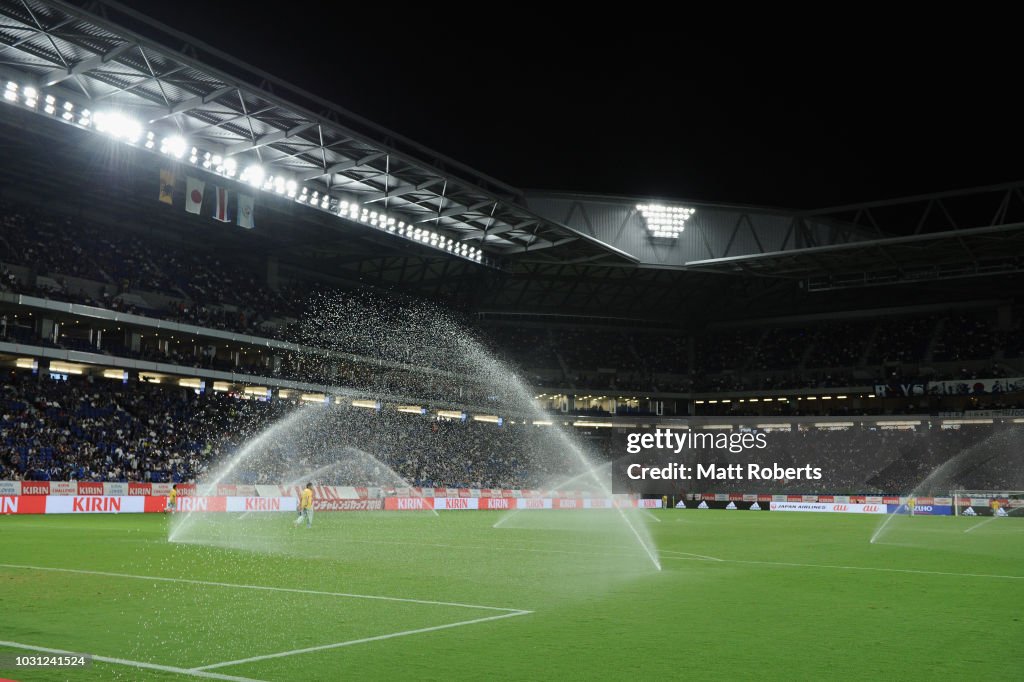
(245, 209)
(194, 189)
(166, 185)
(220, 209)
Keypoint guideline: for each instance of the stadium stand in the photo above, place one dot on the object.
(71, 259)
(101, 430)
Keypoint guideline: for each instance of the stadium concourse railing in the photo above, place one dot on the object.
(94, 497)
(144, 322)
(79, 310)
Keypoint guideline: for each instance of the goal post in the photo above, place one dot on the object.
(988, 502)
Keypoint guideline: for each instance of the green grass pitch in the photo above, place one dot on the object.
(547, 595)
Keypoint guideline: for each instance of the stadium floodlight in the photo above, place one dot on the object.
(254, 175)
(665, 222)
(115, 124)
(85, 118)
(280, 184)
(231, 166)
(174, 145)
(451, 414)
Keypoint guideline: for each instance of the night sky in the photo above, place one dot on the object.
(801, 121)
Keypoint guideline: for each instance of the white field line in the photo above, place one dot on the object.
(650, 514)
(980, 523)
(133, 664)
(529, 550)
(493, 548)
(856, 568)
(688, 554)
(337, 645)
(489, 548)
(267, 588)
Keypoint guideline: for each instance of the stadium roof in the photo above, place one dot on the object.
(559, 253)
(108, 56)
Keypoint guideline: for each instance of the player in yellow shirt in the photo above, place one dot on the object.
(911, 503)
(306, 506)
(172, 499)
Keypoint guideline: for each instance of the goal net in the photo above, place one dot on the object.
(988, 502)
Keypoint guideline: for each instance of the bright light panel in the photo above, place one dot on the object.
(665, 221)
(116, 125)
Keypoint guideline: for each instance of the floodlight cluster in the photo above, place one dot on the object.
(665, 221)
(124, 128)
(388, 223)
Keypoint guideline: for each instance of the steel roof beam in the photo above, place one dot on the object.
(341, 166)
(270, 138)
(60, 75)
(194, 102)
(400, 190)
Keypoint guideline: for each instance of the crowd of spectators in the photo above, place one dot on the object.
(965, 337)
(89, 429)
(74, 260)
(86, 428)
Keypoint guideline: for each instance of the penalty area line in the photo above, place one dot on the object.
(979, 524)
(670, 552)
(352, 642)
(133, 664)
(855, 568)
(267, 588)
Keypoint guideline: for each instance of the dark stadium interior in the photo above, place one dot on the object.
(485, 342)
(778, 312)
